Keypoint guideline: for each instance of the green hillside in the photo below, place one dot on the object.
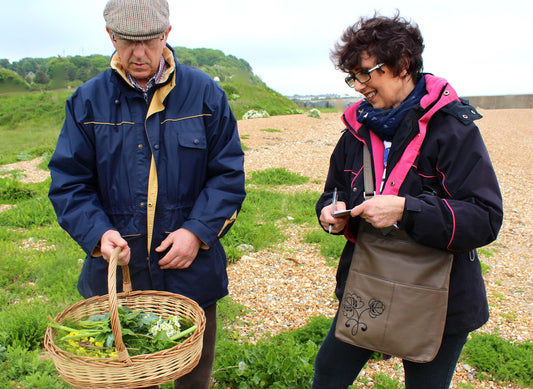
(244, 89)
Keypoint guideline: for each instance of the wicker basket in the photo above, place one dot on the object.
(125, 371)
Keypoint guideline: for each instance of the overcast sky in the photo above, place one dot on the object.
(481, 47)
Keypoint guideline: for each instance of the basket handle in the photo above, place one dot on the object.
(122, 352)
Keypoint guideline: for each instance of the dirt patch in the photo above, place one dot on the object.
(29, 169)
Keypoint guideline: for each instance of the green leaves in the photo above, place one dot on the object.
(505, 361)
(136, 326)
(284, 361)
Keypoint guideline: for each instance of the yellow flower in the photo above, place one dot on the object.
(72, 343)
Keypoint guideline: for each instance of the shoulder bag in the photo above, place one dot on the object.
(396, 294)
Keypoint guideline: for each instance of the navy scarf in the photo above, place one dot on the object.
(384, 122)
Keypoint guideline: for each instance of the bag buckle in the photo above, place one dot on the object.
(368, 195)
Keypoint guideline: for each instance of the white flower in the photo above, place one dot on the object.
(170, 326)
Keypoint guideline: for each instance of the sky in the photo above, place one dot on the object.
(481, 47)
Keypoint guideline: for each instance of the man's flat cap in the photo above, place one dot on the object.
(137, 19)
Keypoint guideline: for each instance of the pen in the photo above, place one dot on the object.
(334, 202)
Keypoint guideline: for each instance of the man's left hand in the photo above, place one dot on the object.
(184, 246)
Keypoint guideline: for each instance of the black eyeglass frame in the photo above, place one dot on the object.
(350, 80)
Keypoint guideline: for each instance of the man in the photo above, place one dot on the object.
(149, 160)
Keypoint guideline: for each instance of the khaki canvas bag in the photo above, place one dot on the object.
(396, 294)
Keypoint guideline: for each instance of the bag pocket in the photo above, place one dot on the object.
(385, 316)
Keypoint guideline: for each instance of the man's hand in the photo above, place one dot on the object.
(337, 224)
(381, 211)
(184, 246)
(111, 240)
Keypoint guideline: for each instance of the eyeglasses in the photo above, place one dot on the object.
(362, 76)
(126, 44)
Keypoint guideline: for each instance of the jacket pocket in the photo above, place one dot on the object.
(186, 171)
(192, 140)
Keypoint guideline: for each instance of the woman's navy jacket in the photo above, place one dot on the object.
(147, 164)
(439, 163)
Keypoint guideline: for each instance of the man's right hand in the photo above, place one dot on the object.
(111, 240)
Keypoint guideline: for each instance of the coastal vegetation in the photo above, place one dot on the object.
(40, 262)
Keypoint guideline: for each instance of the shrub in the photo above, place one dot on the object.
(314, 113)
(29, 369)
(258, 366)
(253, 114)
(24, 325)
(503, 360)
(12, 82)
(13, 191)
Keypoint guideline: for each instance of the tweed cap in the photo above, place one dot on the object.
(137, 19)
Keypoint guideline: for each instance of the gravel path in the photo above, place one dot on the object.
(285, 285)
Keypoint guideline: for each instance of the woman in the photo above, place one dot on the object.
(448, 197)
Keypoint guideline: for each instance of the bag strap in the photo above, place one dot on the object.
(368, 173)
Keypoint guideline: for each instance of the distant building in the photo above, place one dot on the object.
(324, 101)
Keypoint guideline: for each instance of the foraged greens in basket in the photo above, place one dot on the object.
(142, 333)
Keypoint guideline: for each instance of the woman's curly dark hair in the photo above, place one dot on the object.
(393, 41)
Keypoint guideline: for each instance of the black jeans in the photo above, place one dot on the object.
(200, 376)
(338, 364)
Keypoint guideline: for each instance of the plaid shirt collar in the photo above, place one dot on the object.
(154, 80)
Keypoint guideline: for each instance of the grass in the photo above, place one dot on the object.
(30, 123)
(246, 365)
(266, 213)
(502, 360)
(379, 381)
(330, 245)
(277, 177)
(12, 190)
(246, 100)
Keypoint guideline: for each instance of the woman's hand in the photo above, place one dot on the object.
(381, 211)
(330, 223)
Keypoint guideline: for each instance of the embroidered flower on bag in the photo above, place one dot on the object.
(352, 309)
(376, 308)
(352, 302)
